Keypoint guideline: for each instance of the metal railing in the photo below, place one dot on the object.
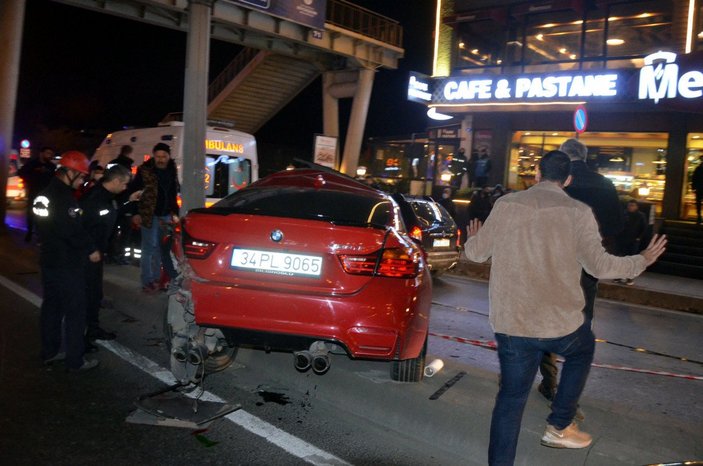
(358, 19)
(228, 74)
(340, 13)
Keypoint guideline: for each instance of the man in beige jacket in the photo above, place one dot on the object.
(539, 240)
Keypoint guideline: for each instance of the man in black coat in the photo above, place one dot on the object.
(65, 248)
(100, 211)
(600, 194)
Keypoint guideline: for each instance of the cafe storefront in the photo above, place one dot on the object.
(643, 126)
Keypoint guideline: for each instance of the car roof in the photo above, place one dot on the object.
(319, 179)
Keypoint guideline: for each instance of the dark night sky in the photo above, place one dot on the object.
(85, 70)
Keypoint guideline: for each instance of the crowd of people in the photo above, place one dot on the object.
(84, 214)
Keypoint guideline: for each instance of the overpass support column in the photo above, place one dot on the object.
(330, 106)
(195, 104)
(11, 22)
(357, 122)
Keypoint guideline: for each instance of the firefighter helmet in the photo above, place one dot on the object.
(75, 160)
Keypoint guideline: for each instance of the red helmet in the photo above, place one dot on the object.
(75, 160)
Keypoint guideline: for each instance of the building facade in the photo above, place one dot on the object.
(516, 79)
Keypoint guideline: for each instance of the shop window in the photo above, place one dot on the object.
(390, 161)
(480, 44)
(639, 28)
(694, 158)
(634, 162)
(567, 39)
(553, 37)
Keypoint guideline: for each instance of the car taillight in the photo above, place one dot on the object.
(195, 248)
(395, 263)
(458, 238)
(416, 233)
(20, 184)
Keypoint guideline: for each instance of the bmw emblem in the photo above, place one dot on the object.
(276, 235)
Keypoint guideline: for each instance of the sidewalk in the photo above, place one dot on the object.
(650, 289)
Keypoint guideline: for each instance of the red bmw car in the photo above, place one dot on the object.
(309, 261)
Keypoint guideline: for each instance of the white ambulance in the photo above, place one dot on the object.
(231, 161)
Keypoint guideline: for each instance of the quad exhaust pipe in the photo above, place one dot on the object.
(316, 357)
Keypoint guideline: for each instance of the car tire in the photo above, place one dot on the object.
(409, 370)
(215, 362)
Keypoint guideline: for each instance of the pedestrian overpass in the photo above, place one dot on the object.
(280, 58)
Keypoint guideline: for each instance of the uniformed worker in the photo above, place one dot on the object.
(65, 245)
(100, 211)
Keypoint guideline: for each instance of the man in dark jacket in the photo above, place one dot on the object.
(629, 239)
(158, 208)
(65, 248)
(100, 211)
(599, 193)
(123, 158)
(36, 175)
(121, 236)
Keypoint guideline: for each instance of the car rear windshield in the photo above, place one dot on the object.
(338, 207)
(429, 212)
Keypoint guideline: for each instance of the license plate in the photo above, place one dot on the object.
(441, 243)
(278, 263)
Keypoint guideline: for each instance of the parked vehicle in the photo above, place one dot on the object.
(430, 224)
(309, 261)
(231, 161)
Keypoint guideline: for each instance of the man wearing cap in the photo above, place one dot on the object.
(157, 178)
(65, 245)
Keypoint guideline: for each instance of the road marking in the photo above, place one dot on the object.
(22, 292)
(291, 444)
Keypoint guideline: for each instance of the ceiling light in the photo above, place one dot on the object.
(572, 56)
(475, 51)
(614, 41)
(461, 45)
(562, 50)
(539, 36)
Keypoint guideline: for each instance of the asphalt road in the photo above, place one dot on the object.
(353, 414)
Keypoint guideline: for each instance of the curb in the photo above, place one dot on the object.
(624, 293)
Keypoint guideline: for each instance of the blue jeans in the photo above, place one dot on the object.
(519, 358)
(154, 253)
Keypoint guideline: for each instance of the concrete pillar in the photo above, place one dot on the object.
(330, 107)
(357, 122)
(675, 165)
(195, 104)
(11, 22)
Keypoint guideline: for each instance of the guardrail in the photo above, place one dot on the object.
(358, 19)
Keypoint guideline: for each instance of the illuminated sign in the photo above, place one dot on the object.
(419, 88)
(575, 86)
(216, 144)
(659, 79)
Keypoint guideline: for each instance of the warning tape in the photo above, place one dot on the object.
(647, 371)
(598, 340)
(646, 351)
(490, 344)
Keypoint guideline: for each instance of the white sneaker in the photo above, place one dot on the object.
(568, 437)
